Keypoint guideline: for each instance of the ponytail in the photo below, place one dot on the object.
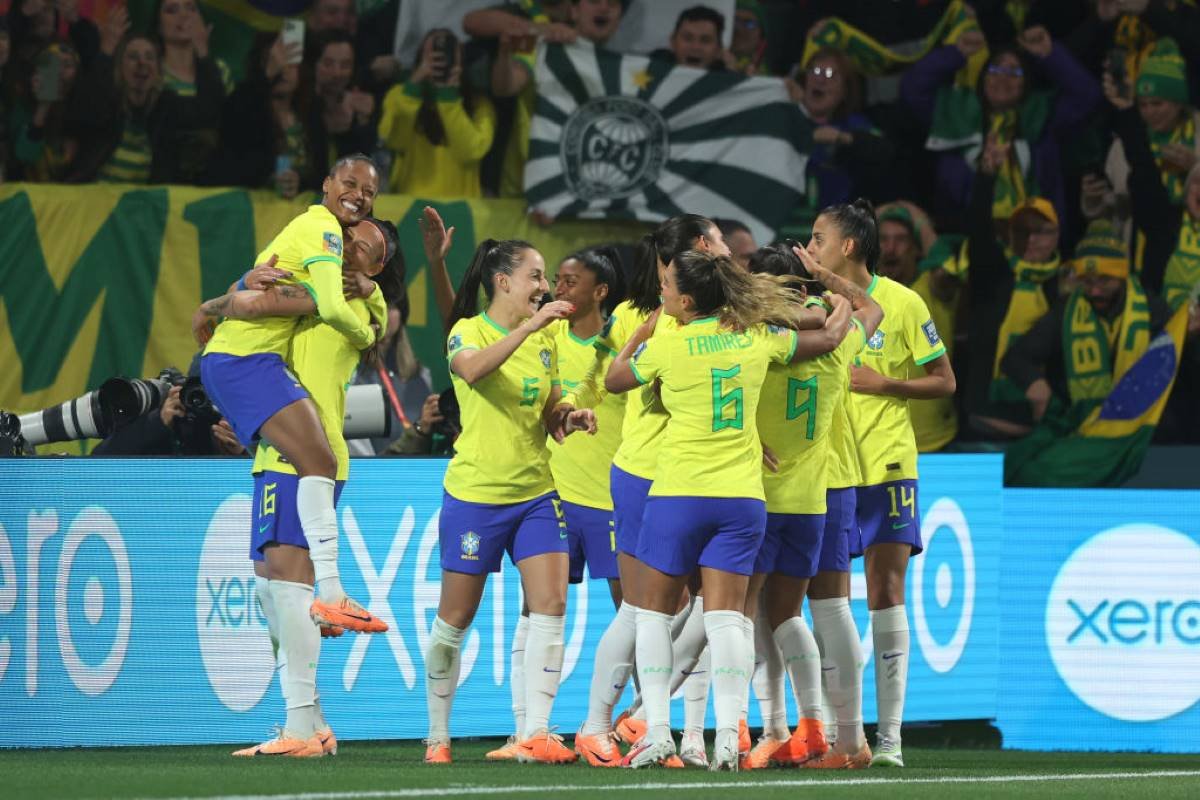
(740, 299)
(857, 221)
(778, 259)
(491, 258)
(669, 239)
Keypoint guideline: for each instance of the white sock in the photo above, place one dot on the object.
(686, 647)
(441, 676)
(314, 505)
(889, 632)
(768, 680)
(803, 662)
(752, 666)
(841, 668)
(680, 619)
(611, 671)
(300, 642)
(543, 669)
(730, 651)
(695, 696)
(654, 664)
(262, 591)
(517, 676)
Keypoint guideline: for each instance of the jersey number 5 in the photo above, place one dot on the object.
(529, 391)
(721, 400)
(808, 407)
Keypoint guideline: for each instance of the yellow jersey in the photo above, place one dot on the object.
(935, 422)
(324, 361)
(795, 417)
(310, 248)
(881, 424)
(501, 457)
(711, 381)
(645, 416)
(580, 465)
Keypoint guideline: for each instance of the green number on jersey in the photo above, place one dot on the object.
(529, 392)
(808, 407)
(720, 400)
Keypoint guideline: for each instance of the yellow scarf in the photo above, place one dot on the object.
(1182, 278)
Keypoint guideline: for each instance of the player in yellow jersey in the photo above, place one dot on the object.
(795, 415)
(905, 360)
(243, 371)
(705, 509)
(632, 470)
(323, 359)
(499, 493)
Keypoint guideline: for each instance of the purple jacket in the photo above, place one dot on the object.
(1078, 95)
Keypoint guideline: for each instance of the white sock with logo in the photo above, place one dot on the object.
(752, 665)
(769, 681)
(731, 651)
(300, 642)
(442, 661)
(543, 669)
(612, 668)
(803, 662)
(654, 664)
(841, 668)
(695, 696)
(889, 632)
(318, 518)
(517, 676)
(686, 647)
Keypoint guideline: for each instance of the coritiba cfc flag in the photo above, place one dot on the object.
(628, 136)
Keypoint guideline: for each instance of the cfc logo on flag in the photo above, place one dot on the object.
(613, 147)
(470, 546)
(333, 244)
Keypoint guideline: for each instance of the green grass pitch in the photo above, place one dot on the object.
(377, 770)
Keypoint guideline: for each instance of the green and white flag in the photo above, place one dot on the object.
(621, 136)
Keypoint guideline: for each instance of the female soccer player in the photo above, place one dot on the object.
(705, 508)
(499, 494)
(244, 373)
(903, 360)
(795, 413)
(632, 469)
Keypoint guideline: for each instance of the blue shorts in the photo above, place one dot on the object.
(791, 545)
(681, 533)
(841, 526)
(887, 514)
(474, 536)
(629, 503)
(249, 390)
(275, 518)
(593, 541)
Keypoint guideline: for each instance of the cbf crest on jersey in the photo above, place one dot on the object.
(333, 244)
(470, 546)
(876, 341)
(545, 354)
(454, 343)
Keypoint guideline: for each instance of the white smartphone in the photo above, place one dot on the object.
(292, 35)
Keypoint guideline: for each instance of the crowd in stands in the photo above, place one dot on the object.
(1076, 129)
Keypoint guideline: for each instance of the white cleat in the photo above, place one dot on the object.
(725, 751)
(692, 751)
(887, 753)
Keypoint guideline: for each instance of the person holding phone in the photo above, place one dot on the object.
(435, 124)
(42, 146)
(338, 117)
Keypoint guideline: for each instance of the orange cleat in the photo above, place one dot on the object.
(835, 760)
(673, 762)
(346, 614)
(331, 631)
(437, 752)
(598, 750)
(744, 742)
(545, 748)
(328, 741)
(806, 744)
(507, 752)
(630, 730)
(287, 746)
(760, 755)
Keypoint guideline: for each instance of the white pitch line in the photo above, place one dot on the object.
(482, 791)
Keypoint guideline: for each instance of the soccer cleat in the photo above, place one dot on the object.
(630, 729)
(328, 741)
(887, 753)
(725, 752)
(806, 743)
(507, 752)
(692, 751)
(744, 742)
(836, 760)
(347, 614)
(646, 753)
(599, 749)
(331, 631)
(545, 747)
(287, 746)
(437, 751)
(760, 755)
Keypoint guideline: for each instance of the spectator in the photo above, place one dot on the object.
(749, 45)
(129, 128)
(1012, 285)
(263, 139)
(740, 240)
(5, 51)
(905, 236)
(338, 118)
(327, 16)
(1002, 105)
(696, 40)
(436, 126)
(34, 24)
(42, 149)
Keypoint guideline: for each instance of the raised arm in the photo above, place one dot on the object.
(332, 307)
(475, 365)
(621, 377)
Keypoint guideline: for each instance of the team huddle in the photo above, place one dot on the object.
(717, 442)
